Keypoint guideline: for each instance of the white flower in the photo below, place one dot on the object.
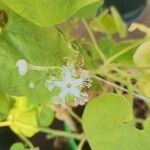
(22, 66)
(69, 85)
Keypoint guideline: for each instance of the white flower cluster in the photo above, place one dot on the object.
(69, 85)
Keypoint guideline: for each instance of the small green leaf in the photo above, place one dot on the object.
(109, 24)
(108, 46)
(23, 117)
(17, 146)
(108, 124)
(45, 116)
(47, 12)
(142, 55)
(104, 23)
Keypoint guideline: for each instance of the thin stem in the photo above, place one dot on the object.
(130, 91)
(62, 133)
(4, 124)
(135, 67)
(54, 132)
(26, 141)
(94, 40)
(75, 116)
(81, 144)
(120, 53)
(42, 68)
(121, 88)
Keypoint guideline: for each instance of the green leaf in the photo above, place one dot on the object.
(143, 84)
(90, 10)
(23, 117)
(111, 47)
(109, 24)
(108, 124)
(142, 55)
(89, 55)
(47, 12)
(38, 46)
(108, 46)
(120, 25)
(45, 116)
(4, 106)
(17, 146)
(104, 23)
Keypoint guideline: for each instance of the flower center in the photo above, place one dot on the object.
(68, 85)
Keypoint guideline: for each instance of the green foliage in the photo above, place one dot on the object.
(45, 116)
(111, 47)
(120, 25)
(30, 30)
(90, 10)
(46, 12)
(23, 117)
(142, 60)
(89, 56)
(20, 146)
(17, 146)
(144, 84)
(39, 46)
(108, 124)
(4, 106)
(109, 24)
(142, 55)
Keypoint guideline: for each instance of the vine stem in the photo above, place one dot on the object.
(93, 39)
(42, 68)
(81, 144)
(130, 91)
(4, 124)
(75, 116)
(55, 132)
(26, 141)
(61, 133)
(120, 88)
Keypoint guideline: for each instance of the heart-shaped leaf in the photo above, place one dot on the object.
(109, 125)
(47, 12)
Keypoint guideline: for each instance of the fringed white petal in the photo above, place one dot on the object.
(69, 85)
(51, 83)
